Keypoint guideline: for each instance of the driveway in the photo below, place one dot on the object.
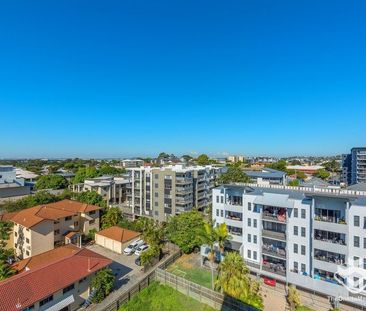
(122, 265)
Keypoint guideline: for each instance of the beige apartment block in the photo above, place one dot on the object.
(41, 228)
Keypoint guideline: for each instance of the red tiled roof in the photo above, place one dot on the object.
(31, 286)
(29, 217)
(118, 234)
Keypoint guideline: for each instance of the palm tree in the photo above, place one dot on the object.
(233, 279)
(222, 235)
(6, 271)
(210, 237)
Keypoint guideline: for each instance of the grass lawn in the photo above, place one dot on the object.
(200, 276)
(303, 308)
(158, 297)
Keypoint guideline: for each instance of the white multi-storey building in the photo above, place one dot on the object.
(300, 236)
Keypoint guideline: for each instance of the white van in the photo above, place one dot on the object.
(130, 249)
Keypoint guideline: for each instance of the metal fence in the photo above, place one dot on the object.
(205, 295)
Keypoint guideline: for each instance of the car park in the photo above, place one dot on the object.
(141, 249)
(132, 247)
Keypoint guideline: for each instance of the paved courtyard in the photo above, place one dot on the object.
(122, 265)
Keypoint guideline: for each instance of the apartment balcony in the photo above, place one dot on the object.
(272, 250)
(201, 195)
(274, 267)
(234, 216)
(183, 181)
(277, 235)
(326, 260)
(271, 217)
(180, 190)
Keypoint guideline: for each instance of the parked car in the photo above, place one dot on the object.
(141, 249)
(130, 249)
(138, 261)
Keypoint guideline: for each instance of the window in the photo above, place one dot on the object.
(255, 223)
(29, 308)
(222, 199)
(46, 300)
(356, 241)
(296, 212)
(92, 222)
(57, 232)
(217, 213)
(156, 185)
(296, 230)
(217, 199)
(249, 222)
(296, 248)
(356, 283)
(364, 222)
(249, 238)
(156, 194)
(27, 253)
(92, 212)
(364, 263)
(27, 240)
(296, 266)
(254, 255)
(68, 218)
(249, 206)
(356, 261)
(303, 250)
(303, 232)
(303, 267)
(356, 221)
(255, 239)
(156, 176)
(156, 204)
(82, 280)
(76, 223)
(15, 234)
(249, 253)
(69, 288)
(364, 242)
(303, 213)
(222, 213)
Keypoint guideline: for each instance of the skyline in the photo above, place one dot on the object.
(108, 80)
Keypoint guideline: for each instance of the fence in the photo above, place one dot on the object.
(205, 295)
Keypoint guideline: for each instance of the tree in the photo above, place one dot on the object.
(234, 280)
(6, 270)
(294, 183)
(106, 169)
(187, 158)
(103, 284)
(152, 252)
(91, 197)
(51, 182)
(234, 174)
(186, 230)
(322, 173)
(279, 165)
(332, 166)
(210, 238)
(84, 173)
(222, 235)
(112, 217)
(300, 175)
(203, 159)
(293, 298)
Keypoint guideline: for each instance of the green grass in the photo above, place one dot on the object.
(200, 276)
(158, 297)
(303, 308)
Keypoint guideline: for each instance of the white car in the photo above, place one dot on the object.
(130, 249)
(141, 249)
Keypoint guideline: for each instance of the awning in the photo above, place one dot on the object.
(61, 304)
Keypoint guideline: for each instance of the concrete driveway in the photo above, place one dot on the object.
(122, 265)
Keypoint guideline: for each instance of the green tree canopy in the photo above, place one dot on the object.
(51, 182)
(112, 217)
(233, 279)
(84, 173)
(234, 174)
(91, 197)
(279, 165)
(186, 230)
(203, 159)
(103, 284)
(322, 173)
(294, 183)
(332, 166)
(106, 169)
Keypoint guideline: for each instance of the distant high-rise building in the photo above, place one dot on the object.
(236, 158)
(354, 166)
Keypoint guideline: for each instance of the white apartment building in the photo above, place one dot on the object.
(162, 191)
(299, 236)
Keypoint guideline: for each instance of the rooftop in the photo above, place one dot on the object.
(29, 217)
(26, 288)
(266, 173)
(119, 234)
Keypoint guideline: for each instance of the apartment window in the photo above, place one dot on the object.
(156, 194)
(364, 242)
(29, 308)
(76, 223)
(303, 232)
(222, 199)
(356, 282)
(156, 185)
(222, 213)
(296, 230)
(356, 241)
(254, 255)
(356, 261)
(27, 253)
(356, 221)
(255, 239)
(303, 267)
(56, 222)
(69, 288)
(364, 222)
(27, 240)
(303, 250)
(15, 234)
(56, 232)
(249, 222)
(217, 213)
(249, 253)
(217, 199)
(68, 218)
(364, 263)
(303, 213)
(92, 212)
(156, 176)
(255, 223)
(296, 212)
(296, 248)
(296, 266)
(46, 300)
(249, 206)
(249, 238)
(92, 222)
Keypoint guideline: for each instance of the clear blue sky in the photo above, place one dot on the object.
(122, 78)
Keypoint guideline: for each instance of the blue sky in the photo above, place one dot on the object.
(123, 78)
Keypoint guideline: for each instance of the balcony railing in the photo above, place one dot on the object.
(334, 240)
(268, 249)
(331, 219)
(274, 268)
(274, 235)
(272, 217)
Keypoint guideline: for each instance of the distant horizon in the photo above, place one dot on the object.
(111, 79)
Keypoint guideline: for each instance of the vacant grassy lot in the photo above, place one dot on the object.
(158, 297)
(189, 268)
(303, 308)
